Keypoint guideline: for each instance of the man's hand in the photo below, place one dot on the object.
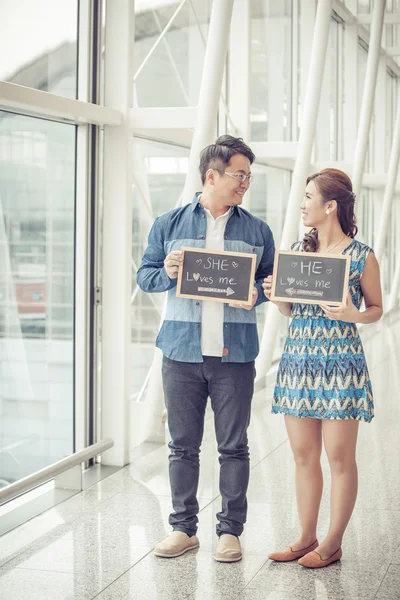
(254, 297)
(172, 263)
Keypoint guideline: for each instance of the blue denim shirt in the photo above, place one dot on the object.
(180, 334)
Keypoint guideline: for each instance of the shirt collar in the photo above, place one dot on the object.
(196, 205)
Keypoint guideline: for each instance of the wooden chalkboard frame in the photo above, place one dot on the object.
(253, 258)
(308, 300)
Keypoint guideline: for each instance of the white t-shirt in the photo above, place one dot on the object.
(212, 314)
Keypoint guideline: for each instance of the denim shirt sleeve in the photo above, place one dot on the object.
(151, 275)
(266, 265)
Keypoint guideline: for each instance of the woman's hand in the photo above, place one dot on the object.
(267, 285)
(284, 307)
(348, 313)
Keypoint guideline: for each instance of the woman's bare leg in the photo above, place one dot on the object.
(305, 436)
(340, 440)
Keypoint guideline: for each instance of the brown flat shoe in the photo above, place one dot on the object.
(288, 554)
(313, 560)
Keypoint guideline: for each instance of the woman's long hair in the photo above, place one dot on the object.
(333, 184)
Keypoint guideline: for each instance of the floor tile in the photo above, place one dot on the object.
(195, 575)
(390, 588)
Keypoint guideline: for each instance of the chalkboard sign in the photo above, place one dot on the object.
(310, 277)
(218, 276)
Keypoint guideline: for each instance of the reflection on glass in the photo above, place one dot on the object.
(37, 206)
(41, 50)
(159, 177)
(172, 75)
(271, 64)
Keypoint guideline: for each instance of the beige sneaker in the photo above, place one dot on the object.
(176, 544)
(228, 549)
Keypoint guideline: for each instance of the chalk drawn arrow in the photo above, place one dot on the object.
(229, 291)
(290, 291)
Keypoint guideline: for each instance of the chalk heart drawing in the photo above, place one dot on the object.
(235, 265)
(196, 276)
(329, 271)
(294, 265)
(290, 280)
(199, 261)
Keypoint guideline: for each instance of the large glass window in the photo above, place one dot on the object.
(271, 70)
(37, 216)
(269, 196)
(159, 177)
(172, 74)
(40, 49)
(327, 141)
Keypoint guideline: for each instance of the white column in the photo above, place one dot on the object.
(306, 138)
(389, 189)
(239, 75)
(350, 109)
(117, 234)
(394, 292)
(210, 91)
(368, 95)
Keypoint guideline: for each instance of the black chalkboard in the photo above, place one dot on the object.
(310, 277)
(218, 276)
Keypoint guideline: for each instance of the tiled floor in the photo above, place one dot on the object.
(99, 544)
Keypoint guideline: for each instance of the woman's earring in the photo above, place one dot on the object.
(327, 212)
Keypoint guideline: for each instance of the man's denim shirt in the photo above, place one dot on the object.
(180, 334)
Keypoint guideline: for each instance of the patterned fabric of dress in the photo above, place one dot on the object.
(323, 373)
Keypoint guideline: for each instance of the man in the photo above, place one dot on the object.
(209, 347)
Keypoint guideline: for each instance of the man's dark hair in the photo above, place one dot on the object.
(218, 155)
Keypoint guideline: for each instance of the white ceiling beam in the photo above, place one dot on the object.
(343, 12)
(393, 51)
(389, 19)
(264, 150)
(28, 101)
(179, 117)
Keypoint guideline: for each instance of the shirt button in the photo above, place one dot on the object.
(254, 249)
(203, 215)
(201, 236)
(197, 325)
(197, 303)
(225, 351)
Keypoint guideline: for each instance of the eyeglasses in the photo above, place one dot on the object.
(239, 176)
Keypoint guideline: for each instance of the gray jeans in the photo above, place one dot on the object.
(186, 389)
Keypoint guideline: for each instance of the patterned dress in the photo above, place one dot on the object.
(323, 373)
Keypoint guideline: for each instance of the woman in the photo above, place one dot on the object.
(323, 387)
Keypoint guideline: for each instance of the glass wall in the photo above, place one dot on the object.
(172, 74)
(328, 133)
(37, 221)
(269, 197)
(159, 176)
(40, 49)
(271, 70)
